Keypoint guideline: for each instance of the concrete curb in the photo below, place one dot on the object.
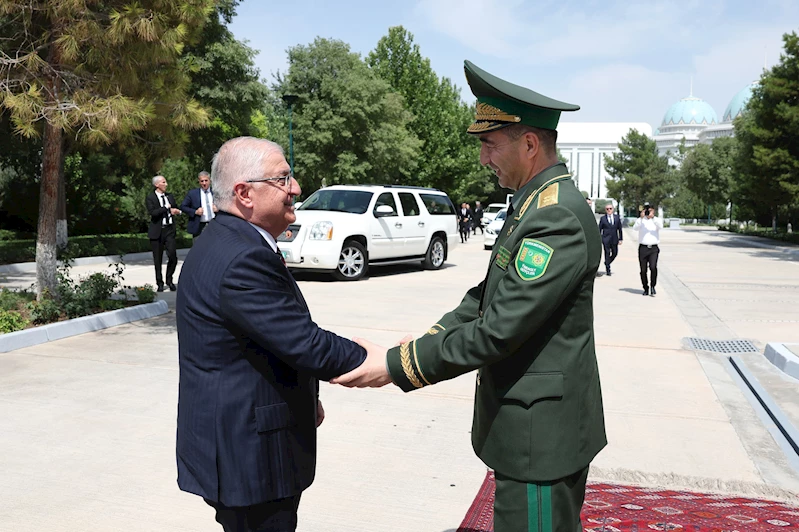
(27, 267)
(781, 356)
(95, 322)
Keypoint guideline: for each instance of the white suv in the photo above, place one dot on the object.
(345, 229)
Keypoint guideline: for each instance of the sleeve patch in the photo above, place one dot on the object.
(533, 259)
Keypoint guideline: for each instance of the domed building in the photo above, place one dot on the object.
(733, 111)
(685, 119)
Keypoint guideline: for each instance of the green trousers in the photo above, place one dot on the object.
(539, 507)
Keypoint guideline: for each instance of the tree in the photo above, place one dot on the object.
(637, 173)
(707, 171)
(96, 72)
(448, 154)
(768, 136)
(349, 127)
(225, 81)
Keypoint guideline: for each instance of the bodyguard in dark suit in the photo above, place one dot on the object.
(161, 232)
(250, 356)
(528, 328)
(611, 229)
(199, 205)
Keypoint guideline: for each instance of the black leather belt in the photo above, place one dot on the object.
(650, 246)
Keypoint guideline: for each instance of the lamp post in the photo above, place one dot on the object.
(290, 99)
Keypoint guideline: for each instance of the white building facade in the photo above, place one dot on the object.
(585, 145)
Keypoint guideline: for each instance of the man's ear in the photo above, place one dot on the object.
(242, 193)
(532, 143)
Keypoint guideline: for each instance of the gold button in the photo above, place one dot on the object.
(478, 379)
(480, 313)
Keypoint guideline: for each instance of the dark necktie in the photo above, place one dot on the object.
(510, 210)
(279, 254)
(168, 219)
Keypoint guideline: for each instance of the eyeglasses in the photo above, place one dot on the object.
(283, 180)
(608, 208)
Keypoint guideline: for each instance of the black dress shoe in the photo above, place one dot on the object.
(608, 273)
(172, 286)
(653, 292)
(160, 288)
(646, 292)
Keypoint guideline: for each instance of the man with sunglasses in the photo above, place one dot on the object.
(250, 356)
(612, 235)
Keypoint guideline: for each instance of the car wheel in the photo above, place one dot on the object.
(351, 262)
(434, 258)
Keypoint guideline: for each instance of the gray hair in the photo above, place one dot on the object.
(203, 174)
(547, 137)
(236, 161)
(156, 178)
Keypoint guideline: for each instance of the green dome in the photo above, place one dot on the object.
(738, 103)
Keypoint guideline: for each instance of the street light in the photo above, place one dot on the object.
(290, 99)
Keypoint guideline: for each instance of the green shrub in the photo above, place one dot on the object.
(145, 293)
(11, 320)
(13, 251)
(46, 310)
(14, 299)
(111, 304)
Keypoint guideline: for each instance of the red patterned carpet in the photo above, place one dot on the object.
(616, 508)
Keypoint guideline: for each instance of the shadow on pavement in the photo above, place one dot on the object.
(638, 291)
(374, 271)
(786, 253)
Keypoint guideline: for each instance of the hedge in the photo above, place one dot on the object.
(14, 251)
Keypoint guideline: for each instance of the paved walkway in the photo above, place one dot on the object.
(88, 422)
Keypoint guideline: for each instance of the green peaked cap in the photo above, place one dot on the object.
(501, 104)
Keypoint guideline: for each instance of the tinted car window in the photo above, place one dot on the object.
(437, 204)
(386, 198)
(409, 205)
(354, 201)
(492, 210)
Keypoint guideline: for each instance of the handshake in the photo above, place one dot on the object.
(373, 373)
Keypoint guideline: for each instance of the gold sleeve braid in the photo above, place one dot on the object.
(407, 365)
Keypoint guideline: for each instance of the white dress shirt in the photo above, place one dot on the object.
(164, 201)
(207, 203)
(648, 230)
(269, 238)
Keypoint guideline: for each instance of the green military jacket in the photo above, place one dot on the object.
(528, 329)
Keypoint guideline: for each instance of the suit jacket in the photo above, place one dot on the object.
(529, 329)
(190, 204)
(465, 220)
(250, 359)
(611, 232)
(157, 213)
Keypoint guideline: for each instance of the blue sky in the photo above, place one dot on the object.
(621, 61)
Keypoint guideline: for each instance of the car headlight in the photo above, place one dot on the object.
(321, 231)
(490, 231)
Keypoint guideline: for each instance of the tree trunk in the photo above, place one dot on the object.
(61, 237)
(774, 221)
(48, 207)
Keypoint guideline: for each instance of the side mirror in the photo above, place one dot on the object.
(384, 210)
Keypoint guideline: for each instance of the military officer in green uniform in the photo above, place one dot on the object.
(528, 328)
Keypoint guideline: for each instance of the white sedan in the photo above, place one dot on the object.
(493, 229)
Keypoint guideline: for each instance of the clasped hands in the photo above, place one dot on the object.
(373, 373)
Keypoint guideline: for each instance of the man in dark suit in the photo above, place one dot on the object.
(199, 205)
(612, 235)
(250, 356)
(465, 221)
(478, 218)
(161, 232)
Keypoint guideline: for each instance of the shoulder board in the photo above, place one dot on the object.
(549, 196)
